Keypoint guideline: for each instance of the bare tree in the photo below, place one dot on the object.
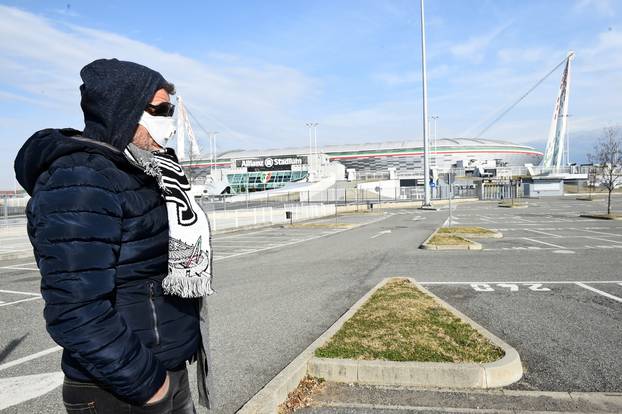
(592, 180)
(607, 158)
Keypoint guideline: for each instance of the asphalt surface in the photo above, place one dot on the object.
(278, 289)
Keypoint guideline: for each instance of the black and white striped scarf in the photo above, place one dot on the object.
(190, 242)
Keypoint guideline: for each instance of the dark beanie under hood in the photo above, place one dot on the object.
(114, 95)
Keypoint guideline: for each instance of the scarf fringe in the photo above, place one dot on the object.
(187, 287)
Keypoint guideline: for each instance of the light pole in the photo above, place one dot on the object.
(311, 125)
(212, 150)
(435, 118)
(567, 139)
(426, 167)
(315, 137)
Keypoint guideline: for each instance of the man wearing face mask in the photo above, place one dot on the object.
(124, 252)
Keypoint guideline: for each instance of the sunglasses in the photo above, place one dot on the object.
(161, 109)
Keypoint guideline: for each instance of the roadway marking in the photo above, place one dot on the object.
(545, 243)
(12, 250)
(602, 232)
(337, 231)
(16, 390)
(20, 293)
(380, 233)
(17, 301)
(543, 232)
(600, 292)
(35, 297)
(15, 267)
(526, 282)
(563, 251)
(513, 287)
(27, 358)
(599, 238)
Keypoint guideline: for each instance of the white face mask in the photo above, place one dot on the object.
(161, 128)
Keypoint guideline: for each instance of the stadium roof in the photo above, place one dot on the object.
(369, 146)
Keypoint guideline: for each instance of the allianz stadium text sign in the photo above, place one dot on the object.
(270, 163)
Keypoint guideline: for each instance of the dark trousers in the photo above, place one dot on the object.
(88, 398)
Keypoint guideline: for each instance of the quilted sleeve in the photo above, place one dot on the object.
(77, 222)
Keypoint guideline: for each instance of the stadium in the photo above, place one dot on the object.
(273, 168)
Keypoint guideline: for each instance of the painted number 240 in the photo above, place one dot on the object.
(512, 287)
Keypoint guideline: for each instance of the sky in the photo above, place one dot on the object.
(256, 72)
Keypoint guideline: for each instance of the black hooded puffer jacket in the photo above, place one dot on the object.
(99, 230)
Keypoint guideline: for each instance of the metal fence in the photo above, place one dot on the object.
(231, 219)
(499, 191)
(12, 208)
(337, 196)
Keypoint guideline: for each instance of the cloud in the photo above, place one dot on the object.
(605, 55)
(511, 55)
(603, 7)
(246, 98)
(474, 48)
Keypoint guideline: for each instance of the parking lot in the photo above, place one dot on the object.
(551, 287)
(29, 358)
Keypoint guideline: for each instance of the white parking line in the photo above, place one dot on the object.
(30, 357)
(243, 246)
(545, 243)
(600, 238)
(600, 292)
(19, 292)
(15, 267)
(544, 232)
(602, 232)
(18, 301)
(554, 282)
(11, 250)
(297, 241)
(380, 233)
(35, 296)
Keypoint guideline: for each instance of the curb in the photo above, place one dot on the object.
(595, 216)
(267, 400)
(505, 371)
(513, 206)
(471, 246)
(495, 374)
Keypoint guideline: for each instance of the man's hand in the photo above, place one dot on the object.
(161, 392)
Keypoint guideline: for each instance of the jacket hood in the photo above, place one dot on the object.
(42, 148)
(114, 95)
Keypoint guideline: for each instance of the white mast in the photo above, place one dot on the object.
(555, 145)
(184, 128)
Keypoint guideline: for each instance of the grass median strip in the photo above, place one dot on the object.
(465, 230)
(448, 240)
(401, 323)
